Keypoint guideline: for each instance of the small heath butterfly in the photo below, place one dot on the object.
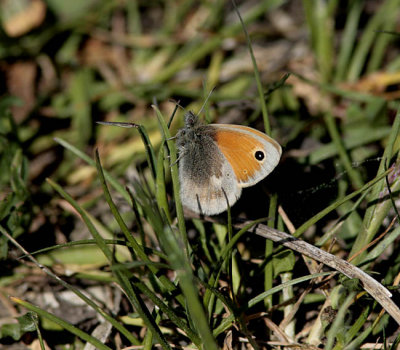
(217, 160)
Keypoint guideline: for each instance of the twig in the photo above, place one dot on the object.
(370, 285)
(373, 287)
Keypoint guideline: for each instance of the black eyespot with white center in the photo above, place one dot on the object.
(259, 155)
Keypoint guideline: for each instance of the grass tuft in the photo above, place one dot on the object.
(99, 250)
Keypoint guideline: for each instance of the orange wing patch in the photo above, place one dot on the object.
(239, 149)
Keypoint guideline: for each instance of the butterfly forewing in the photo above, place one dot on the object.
(251, 154)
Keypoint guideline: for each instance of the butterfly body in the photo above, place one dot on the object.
(217, 160)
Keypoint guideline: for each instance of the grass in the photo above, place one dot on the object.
(96, 247)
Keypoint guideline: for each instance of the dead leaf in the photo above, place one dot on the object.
(20, 17)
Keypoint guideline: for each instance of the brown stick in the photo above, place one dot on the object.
(372, 286)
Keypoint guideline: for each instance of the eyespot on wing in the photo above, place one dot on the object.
(252, 154)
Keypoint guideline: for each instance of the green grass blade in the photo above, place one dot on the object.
(213, 279)
(161, 192)
(350, 33)
(377, 211)
(64, 324)
(169, 311)
(383, 245)
(121, 276)
(387, 156)
(175, 177)
(227, 322)
(132, 241)
(269, 249)
(137, 249)
(257, 76)
(178, 259)
(138, 217)
(120, 189)
(354, 175)
(149, 149)
(338, 203)
(82, 296)
(150, 154)
(95, 234)
(200, 48)
(132, 292)
(320, 26)
(365, 42)
(335, 331)
(382, 40)
(357, 325)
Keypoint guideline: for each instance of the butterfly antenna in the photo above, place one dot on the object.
(177, 105)
(205, 102)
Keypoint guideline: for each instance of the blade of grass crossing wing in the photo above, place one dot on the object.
(269, 244)
(230, 257)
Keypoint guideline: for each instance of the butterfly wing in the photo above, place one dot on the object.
(208, 195)
(207, 180)
(251, 153)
